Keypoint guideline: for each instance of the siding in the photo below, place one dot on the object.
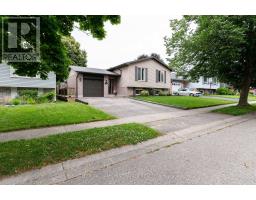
(200, 84)
(7, 81)
(127, 78)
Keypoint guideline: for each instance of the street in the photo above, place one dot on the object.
(227, 156)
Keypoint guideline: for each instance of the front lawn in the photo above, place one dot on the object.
(48, 114)
(22, 155)
(237, 110)
(185, 102)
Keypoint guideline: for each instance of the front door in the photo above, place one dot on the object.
(111, 86)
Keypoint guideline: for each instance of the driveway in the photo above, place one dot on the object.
(126, 107)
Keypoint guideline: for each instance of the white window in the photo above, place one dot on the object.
(160, 76)
(142, 74)
(205, 80)
(214, 80)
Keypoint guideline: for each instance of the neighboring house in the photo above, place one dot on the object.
(10, 83)
(177, 82)
(204, 84)
(127, 79)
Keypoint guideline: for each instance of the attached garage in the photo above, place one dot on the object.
(93, 85)
(92, 82)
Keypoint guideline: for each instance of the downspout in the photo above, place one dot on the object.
(77, 85)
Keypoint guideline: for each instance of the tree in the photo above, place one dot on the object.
(142, 56)
(215, 46)
(75, 54)
(157, 56)
(53, 55)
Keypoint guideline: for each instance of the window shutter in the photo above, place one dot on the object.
(146, 74)
(164, 76)
(136, 73)
(156, 76)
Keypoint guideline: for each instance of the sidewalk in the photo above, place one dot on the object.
(41, 132)
(73, 170)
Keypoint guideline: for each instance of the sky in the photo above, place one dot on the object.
(135, 35)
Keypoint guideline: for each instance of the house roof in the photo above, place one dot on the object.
(93, 70)
(140, 60)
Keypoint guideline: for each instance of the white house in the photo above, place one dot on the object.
(204, 84)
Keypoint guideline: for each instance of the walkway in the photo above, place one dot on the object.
(149, 118)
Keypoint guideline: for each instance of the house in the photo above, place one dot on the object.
(11, 84)
(126, 79)
(177, 82)
(204, 84)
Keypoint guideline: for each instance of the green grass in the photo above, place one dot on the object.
(237, 110)
(185, 102)
(49, 114)
(22, 155)
(251, 98)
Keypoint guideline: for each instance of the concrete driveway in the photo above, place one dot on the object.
(126, 107)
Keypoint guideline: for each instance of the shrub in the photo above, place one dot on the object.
(31, 101)
(225, 91)
(16, 101)
(163, 93)
(144, 93)
(50, 96)
(26, 93)
(42, 99)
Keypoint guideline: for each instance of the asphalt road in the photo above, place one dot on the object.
(227, 156)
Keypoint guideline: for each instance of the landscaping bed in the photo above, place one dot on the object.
(184, 102)
(47, 114)
(22, 155)
(236, 110)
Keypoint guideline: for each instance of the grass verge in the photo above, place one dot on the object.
(22, 155)
(250, 98)
(48, 114)
(184, 102)
(237, 110)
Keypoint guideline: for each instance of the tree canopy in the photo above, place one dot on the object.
(215, 46)
(53, 54)
(155, 55)
(75, 54)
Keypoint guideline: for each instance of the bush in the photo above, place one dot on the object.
(144, 93)
(163, 93)
(31, 101)
(16, 101)
(25, 94)
(50, 96)
(225, 91)
(42, 99)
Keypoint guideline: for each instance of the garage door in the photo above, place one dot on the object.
(93, 87)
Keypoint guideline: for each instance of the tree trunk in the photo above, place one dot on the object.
(243, 100)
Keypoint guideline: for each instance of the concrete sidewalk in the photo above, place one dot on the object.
(149, 118)
(74, 171)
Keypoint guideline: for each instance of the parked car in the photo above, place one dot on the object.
(187, 92)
